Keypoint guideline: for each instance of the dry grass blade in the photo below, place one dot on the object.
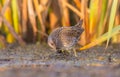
(5, 6)
(21, 42)
(112, 18)
(102, 38)
(85, 38)
(103, 13)
(14, 7)
(32, 17)
(73, 9)
(65, 13)
(78, 3)
(93, 18)
(54, 14)
(39, 9)
(9, 25)
(24, 17)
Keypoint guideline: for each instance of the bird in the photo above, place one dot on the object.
(65, 38)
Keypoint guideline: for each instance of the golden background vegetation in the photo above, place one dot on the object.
(31, 21)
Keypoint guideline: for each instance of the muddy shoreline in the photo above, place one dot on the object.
(40, 60)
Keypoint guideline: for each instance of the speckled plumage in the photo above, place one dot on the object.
(65, 38)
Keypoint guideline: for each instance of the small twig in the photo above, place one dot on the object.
(7, 24)
(5, 6)
(42, 33)
(73, 9)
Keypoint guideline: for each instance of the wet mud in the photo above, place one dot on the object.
(40, 60)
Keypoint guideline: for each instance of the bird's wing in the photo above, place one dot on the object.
(69, 36)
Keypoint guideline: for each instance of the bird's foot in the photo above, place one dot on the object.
(75, 52)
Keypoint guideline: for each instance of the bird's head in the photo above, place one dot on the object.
(51, 43)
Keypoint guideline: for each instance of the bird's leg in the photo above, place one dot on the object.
(68, 51)
(62, 51)
(74, 50)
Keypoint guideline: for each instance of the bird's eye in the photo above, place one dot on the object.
(52, 44)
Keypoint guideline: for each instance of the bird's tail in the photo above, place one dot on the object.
(79, 24)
